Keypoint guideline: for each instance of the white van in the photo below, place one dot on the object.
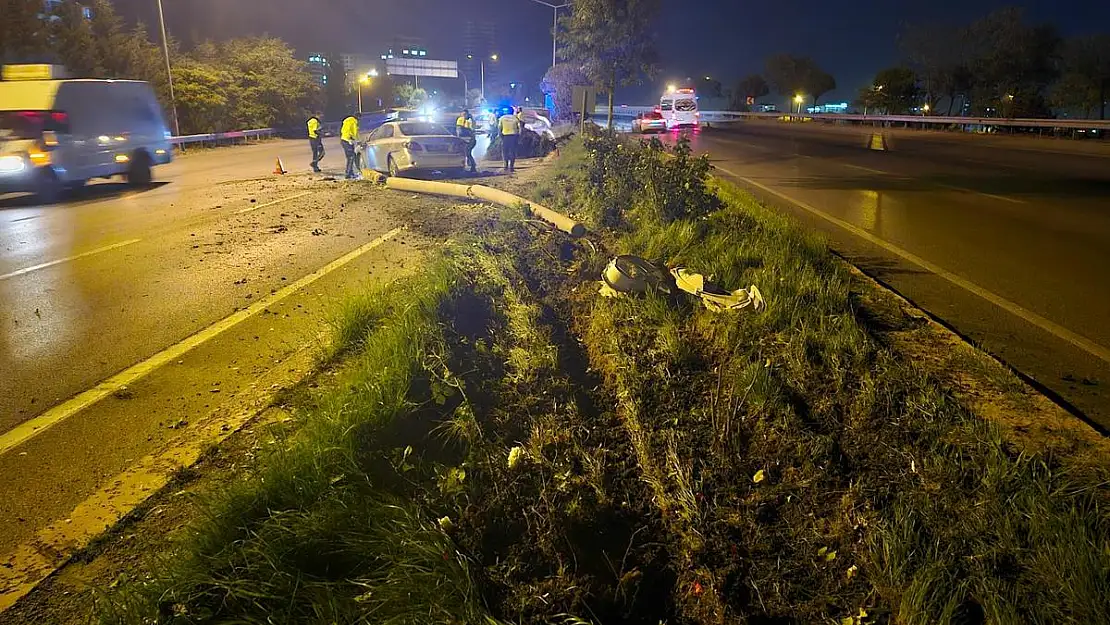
(680, 108)
(56, 135)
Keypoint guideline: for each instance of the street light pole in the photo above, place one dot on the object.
(493, 57)
(554, 24)
(169, 73)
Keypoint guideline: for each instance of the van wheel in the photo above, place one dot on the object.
(139, 173)
(391, 165)
(48, 189)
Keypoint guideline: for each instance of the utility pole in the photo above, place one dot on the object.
(554, 24)
(169, 72)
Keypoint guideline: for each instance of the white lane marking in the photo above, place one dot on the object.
(29, 429)
(1017, 310)
(284, 199)
(990, 195)
(26, 270)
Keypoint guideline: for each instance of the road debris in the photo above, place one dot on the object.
(632, 274)
(715, 298)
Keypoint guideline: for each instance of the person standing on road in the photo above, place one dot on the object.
(509, 127)
(316, 142)
(348, 136)
(464, 128)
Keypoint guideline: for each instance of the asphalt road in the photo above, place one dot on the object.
(1005, 240)
(139, 326)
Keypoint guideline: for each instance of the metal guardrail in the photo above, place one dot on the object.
(215, 137)
(1018, 122)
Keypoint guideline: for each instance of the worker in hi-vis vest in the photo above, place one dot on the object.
(509, 127)
(464, 128)
(348, 136)
(316, 142)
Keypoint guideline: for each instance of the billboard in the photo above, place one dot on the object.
(422, 67)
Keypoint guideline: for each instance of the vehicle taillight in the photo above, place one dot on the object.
(414, 146)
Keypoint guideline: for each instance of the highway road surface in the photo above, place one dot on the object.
(135, 323)
(1005, 240)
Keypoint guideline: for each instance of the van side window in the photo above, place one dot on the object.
(387, 131)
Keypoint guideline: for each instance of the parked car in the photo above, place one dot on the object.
(652, 121)
(401, 146)
(58, 134)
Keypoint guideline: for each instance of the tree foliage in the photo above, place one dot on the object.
(250, 82)
(986, 62)
(894, 91)
(611, 40)
(23, 34)
(408, 94)
(792, 75)
(75, 45)
(1085, 75)
(753, 86)
(559, 83)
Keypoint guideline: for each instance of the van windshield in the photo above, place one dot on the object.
(17, 125)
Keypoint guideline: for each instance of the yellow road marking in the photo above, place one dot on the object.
(990, 195)
(862, 168)
(26, 270)
(284, 199)
(1017, 310)
(38, 425)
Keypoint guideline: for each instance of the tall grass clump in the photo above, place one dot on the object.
(846, 483)
(312, 535)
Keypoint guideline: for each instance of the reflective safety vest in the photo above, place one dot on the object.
(463, 126)
(349, 132)
(510, 125)
(313, 128)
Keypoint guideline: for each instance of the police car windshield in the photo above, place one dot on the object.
(416, 129)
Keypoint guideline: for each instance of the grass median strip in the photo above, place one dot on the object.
(501, 445)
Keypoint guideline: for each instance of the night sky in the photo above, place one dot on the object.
(725, 39)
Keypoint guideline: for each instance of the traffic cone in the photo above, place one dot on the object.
(279, 169)
(877, 142)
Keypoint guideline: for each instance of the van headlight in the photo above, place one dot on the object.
(12, 164)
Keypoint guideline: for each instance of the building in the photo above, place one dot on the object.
(51, 7)
(318, 66)
(479, 42)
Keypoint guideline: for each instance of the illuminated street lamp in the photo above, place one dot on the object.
(925, 109)
(364, 80)
(492, 57)
(671, 88)
(799, 99)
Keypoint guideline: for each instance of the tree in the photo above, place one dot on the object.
(272, 87)
(612, 42)
(792, 75)
(201, 91)
(894, 91)
(820, 83)
(559, 83)
(750, 88)
(73, 41)
(1085, 80)
(939, 55)
(409, 95)
(1011, 63)
(23, 33)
